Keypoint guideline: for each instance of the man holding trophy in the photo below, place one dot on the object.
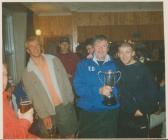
(95, 85)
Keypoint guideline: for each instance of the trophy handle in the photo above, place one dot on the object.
(118, 73)
(100, 72)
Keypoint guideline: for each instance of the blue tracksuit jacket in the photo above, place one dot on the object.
(86, 84)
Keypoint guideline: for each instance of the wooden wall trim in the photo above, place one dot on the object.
(126, 18)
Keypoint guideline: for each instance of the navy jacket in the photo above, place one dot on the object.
(138, 89)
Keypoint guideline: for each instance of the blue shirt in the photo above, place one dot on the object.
(87, 84)
(19, 93)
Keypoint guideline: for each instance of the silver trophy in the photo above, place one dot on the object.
(110, 78)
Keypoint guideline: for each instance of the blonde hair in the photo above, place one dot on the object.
(32, 38)
(126, 44)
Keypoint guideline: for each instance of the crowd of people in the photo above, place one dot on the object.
(69, 92)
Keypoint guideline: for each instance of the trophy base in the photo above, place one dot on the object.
(109, 101)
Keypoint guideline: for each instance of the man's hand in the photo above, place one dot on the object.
(47, 122)
(90, 56)
(138, 113)
(105, 90)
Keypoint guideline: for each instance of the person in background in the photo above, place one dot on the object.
(20, 95)
(46, 83)
(157, 68)
(68, 58)
(89, 47)
(96, 120)
(159, 116)
(14, 127)
(81, 51)
(156, 65)
(138, 94)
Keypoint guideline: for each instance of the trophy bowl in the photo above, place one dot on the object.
(110, 79)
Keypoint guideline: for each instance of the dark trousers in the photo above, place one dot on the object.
(98, 124)
(64, 122)
(133, 127)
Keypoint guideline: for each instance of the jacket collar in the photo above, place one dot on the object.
(107, 58)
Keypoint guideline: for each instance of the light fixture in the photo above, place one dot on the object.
(38, 32)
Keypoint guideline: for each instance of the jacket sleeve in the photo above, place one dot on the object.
(80, 83)
(17, 129)
(30, 87)
(13, 127)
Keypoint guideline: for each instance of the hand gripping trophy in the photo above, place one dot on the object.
(110, 78)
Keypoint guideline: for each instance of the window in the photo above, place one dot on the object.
(8, 49)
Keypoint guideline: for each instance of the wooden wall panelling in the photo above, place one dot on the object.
(90, 31)
(121, 32)
(115, 25)
(114, 33)
(55, 25)
(151, 32)
(122, 18)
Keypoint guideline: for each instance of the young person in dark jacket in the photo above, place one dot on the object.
(138, 94)
(96, 120)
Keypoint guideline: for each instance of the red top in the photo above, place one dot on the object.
(12, 126)
(69, 61)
